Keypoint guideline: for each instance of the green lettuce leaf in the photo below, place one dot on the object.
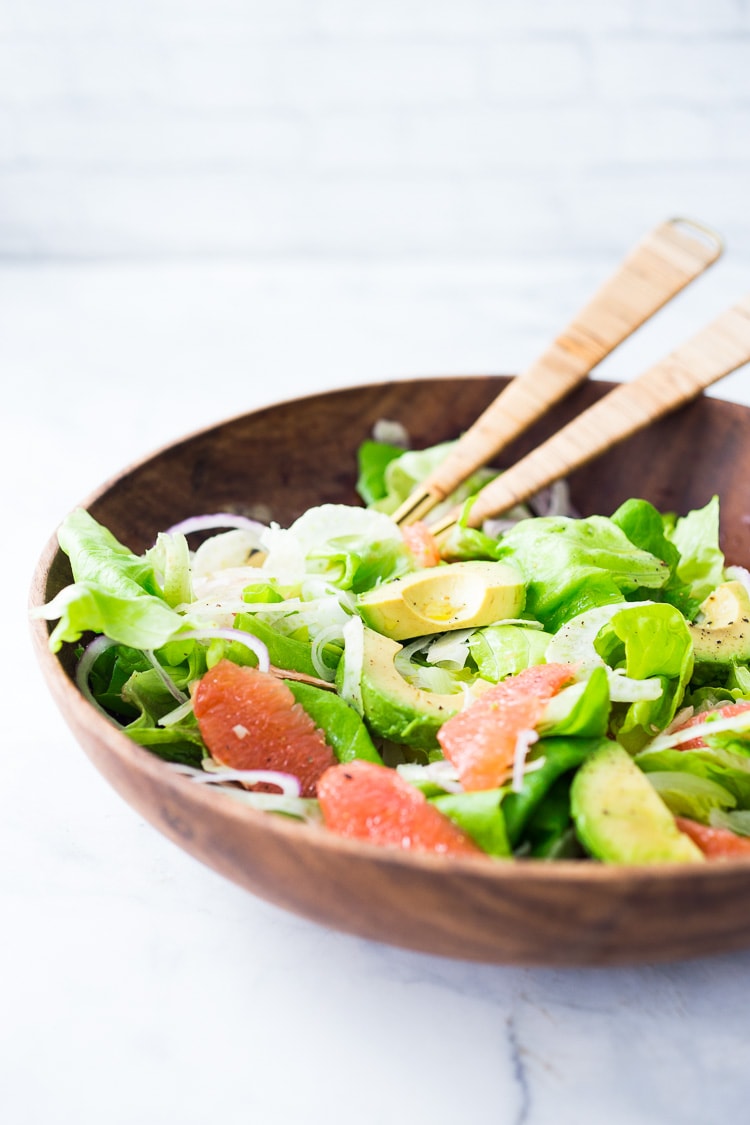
(701, 565)
(372, 458)
(648, 641)
(573, 565)
(114, 591)
(736, 820)
(464, 543)
(401, 474)
(180, 742)
(646, 528)
(480, 815)
(96, 556)
(729, 768)
(687, 794)
(559, 755)
(579, 711)
(141, 621)
(549, 832)
(289, 653)
(343, 728)
(505, 650)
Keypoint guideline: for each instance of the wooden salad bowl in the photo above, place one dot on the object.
(277, 462)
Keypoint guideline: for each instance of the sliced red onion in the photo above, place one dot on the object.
(90, 655)
(524, 740)
(679, 720)
(532, 767)
(739, 723)
(247, 639)
(330, 633)
(210, 522)
(167, 680)
(286, 782)
(177, 715)
(305, 809)
(442, 773)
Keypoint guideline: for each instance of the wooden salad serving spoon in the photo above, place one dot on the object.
(660, 266)
(715, 351)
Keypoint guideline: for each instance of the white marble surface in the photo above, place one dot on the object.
(138, 986)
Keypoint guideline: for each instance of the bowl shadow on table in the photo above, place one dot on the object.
(277, 462)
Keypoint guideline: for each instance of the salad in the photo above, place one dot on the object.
(547, 687)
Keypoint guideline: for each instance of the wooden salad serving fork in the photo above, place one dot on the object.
(662, 264)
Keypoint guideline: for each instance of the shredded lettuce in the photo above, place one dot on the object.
(352, 548)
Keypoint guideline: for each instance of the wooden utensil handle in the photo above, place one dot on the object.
(662, 264)
(715, 351)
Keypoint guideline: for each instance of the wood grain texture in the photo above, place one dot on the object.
(711, 354)
(297, 454)
(659, 267)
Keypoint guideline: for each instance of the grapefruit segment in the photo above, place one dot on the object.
(725, 712)
(715, 843)
(421, 544)
(481, 741)
(249, 720)
(364, 801)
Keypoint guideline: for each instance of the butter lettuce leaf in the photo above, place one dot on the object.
(342, 726)
(290, 653)
(701, 565)
(579, 711)
(505, 650)
(729, 768)
(114, 591)
(648, 641)
(688, 794)
(549, 832)
(572, 565)
(480, 815)
(140, 620)
(559, 756)
(373, 458)
(401, 473)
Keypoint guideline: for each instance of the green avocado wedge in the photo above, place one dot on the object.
(459, 595)
(620, 818)
(722, 633)
(391, 706)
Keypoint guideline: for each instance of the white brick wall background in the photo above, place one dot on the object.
(405, 129)
(294, 194)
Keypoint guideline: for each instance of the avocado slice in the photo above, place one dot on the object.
(619, 816)
(722, 633)
(459, 595)
(392, 707)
